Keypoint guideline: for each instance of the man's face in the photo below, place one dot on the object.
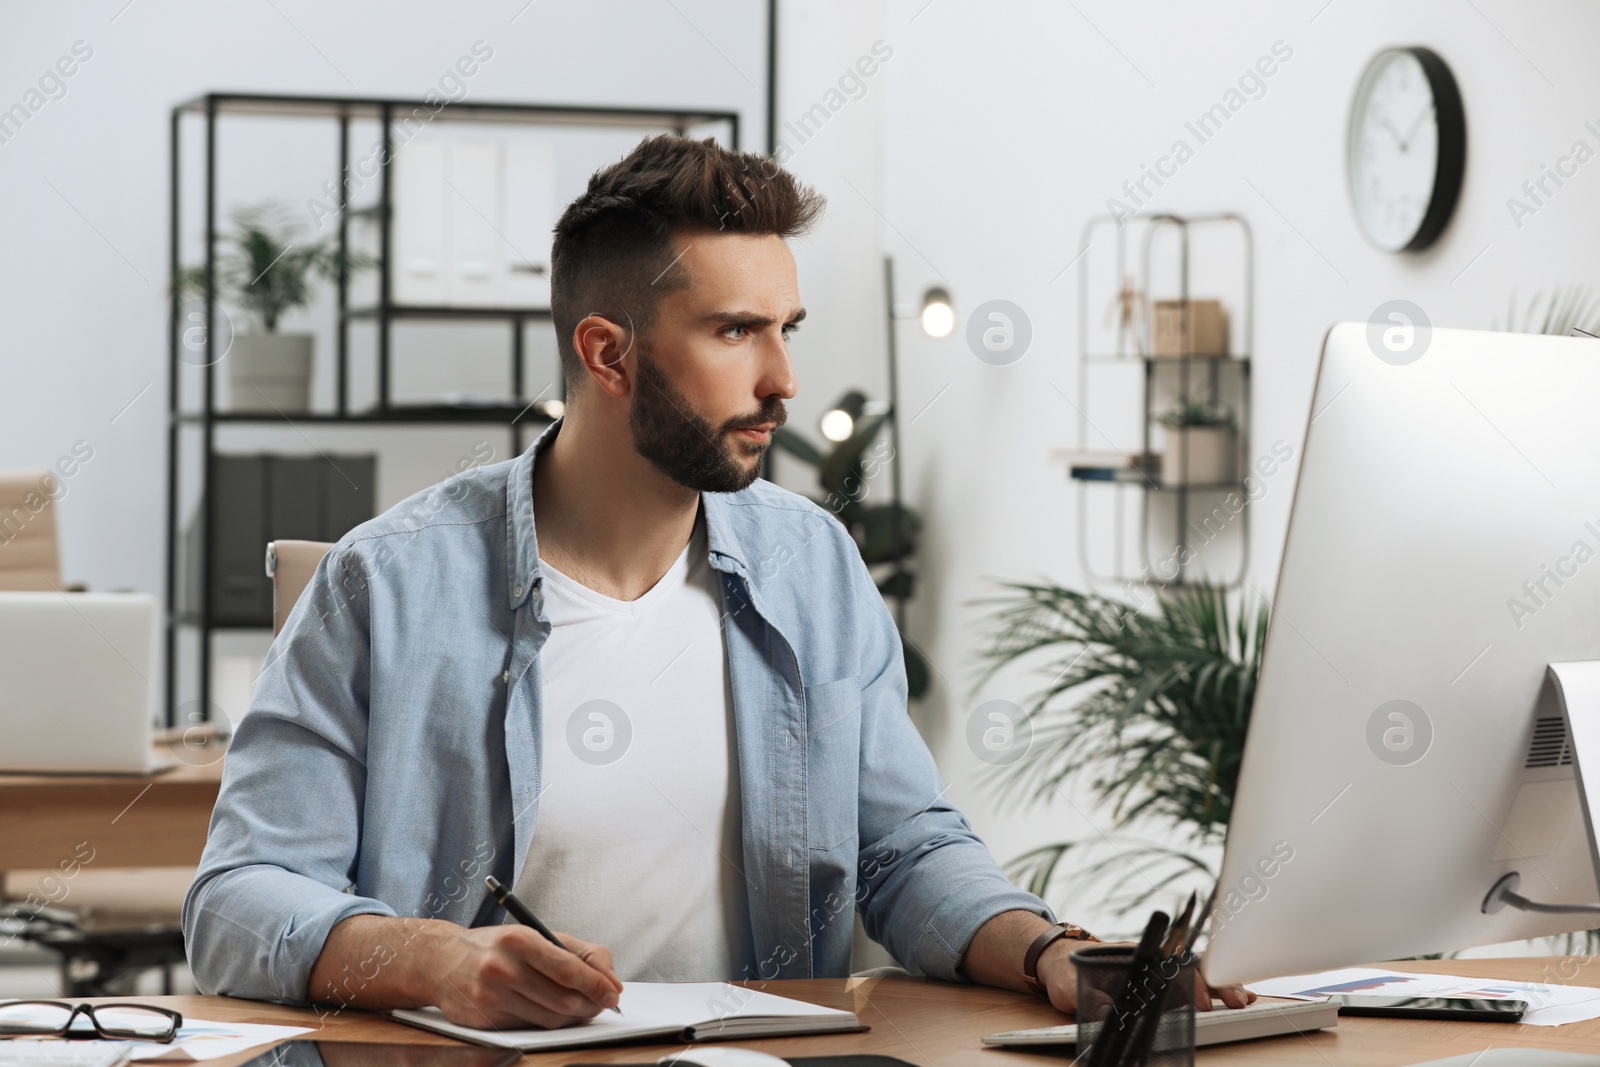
(714, 371)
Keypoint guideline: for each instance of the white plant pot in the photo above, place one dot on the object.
(270, 372)
(1198, 455)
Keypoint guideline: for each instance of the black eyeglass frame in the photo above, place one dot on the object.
(88, 1010)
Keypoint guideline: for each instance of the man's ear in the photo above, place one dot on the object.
(603, 346)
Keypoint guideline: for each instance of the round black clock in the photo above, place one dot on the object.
(1407, 148)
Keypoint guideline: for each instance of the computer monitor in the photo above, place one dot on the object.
(1408, 747)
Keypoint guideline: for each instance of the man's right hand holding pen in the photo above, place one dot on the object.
(505, 976)
(512, 976)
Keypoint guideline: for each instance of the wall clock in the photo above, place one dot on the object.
(1407, 148)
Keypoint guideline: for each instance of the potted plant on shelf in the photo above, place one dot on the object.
(1201, 444)
(265, 269)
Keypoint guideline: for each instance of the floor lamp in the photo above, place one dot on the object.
(937, 316)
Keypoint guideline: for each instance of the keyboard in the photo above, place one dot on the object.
(1220, 1025)
(25, 1053)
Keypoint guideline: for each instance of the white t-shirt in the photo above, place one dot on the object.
(637, 841)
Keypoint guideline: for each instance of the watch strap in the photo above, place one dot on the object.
(1030, 959)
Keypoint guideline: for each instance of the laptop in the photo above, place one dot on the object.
(78, 683)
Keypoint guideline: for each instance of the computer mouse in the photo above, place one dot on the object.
(720, 1056)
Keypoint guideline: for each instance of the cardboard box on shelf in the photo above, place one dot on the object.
(1188, 328)
(30, 557)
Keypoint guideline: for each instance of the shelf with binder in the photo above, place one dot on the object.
(370, 217)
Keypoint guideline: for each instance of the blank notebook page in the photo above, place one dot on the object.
(650, 1008)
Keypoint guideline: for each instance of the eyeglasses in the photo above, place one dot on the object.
(52, 1017)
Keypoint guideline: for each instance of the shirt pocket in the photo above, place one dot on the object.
(833, 761)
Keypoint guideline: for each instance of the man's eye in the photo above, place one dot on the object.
(790, 329)
(737, 333)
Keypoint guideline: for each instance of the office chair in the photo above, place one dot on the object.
(290, 565)
(109, 928)
(30, 554)
(112, 924)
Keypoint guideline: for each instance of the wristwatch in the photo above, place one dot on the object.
(1030, 961)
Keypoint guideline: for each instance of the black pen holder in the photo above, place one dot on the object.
(1143, 1015)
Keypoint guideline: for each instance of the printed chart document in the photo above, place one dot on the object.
(687, 1011)
(1549, 1004)
(202, 1039)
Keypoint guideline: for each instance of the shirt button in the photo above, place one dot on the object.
(517, 591)
(505, 678)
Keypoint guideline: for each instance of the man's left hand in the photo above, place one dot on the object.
(1060, 978)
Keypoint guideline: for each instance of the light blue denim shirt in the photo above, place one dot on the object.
(391, 756)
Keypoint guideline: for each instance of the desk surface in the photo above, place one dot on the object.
(934, 1024)
(128, 820)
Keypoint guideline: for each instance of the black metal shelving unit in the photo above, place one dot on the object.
(515, 417)
(1214, 377)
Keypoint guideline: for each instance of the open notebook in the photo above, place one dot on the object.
(686, 1011)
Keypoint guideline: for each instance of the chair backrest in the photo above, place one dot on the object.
(30, 557)
(290, 565)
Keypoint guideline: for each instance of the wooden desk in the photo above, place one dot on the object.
(933, 1024)
(158, 821)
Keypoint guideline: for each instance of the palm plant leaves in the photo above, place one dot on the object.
(1556, 312)
(1150, 710)
(1124, 877)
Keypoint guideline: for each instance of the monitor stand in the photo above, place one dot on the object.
(1577, 690)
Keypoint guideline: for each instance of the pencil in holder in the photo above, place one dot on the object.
(1132, 1015)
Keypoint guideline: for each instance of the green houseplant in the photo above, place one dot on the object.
(265, 268)
(1147, 709)
(885, 534)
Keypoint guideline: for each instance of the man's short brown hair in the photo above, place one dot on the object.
(613, 253)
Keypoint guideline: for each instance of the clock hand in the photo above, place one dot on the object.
(1415, 125)
(1394, 133)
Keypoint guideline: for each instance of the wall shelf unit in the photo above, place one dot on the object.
(194, 413)
(1147, 522)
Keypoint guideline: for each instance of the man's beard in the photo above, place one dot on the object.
(682, 443)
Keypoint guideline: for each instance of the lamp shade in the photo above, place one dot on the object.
(839, 421)
(938, 313)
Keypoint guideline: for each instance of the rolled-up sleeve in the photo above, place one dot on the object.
(282, 850)
(928, 882)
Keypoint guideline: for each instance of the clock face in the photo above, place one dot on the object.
(1406, 146)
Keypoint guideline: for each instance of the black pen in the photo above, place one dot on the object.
(519, 911)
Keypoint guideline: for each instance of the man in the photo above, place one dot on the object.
(659, 697)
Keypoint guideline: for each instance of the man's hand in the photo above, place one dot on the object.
(995, 958)
(501, 976)
(1060, 978)
(508, 976)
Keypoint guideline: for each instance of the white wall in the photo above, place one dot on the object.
(840, 345)
(1008, 125)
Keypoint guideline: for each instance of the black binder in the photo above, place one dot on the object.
(261, 498)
